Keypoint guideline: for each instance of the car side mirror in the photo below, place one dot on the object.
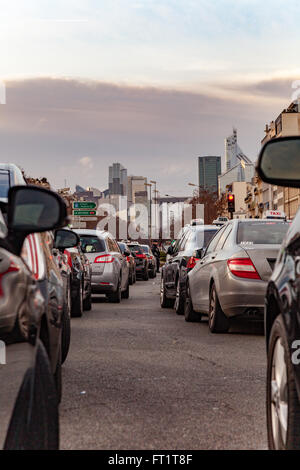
(199, 253)
(65, 239)
(279, 162)
(170, 250)
(32, 209)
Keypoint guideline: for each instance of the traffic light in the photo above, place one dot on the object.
(230, 203)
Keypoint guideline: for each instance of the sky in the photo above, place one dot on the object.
(150, 84)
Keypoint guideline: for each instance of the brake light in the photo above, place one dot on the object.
(104, 259)
(12, 269)
(141, 256)
(243, 267)
(69, 257)
(192, 262)
(128, 258)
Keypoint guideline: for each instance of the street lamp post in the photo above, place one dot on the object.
(155, 201)
(150, 216)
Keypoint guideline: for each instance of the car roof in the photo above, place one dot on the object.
(98, 233)
(199, 228)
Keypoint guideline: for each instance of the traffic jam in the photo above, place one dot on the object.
(50, 274)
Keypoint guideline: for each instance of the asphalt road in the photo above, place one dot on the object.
(140, 377)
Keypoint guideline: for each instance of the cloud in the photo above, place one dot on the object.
(74, 129)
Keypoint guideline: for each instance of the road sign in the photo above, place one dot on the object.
(84, 205)
(77, 224)
(84, 213)
(84, 219)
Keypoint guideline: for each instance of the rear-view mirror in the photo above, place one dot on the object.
(32, 209)
(279, 162)
(66, 239)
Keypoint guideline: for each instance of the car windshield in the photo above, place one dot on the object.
(4, 184)
(92, 244)
(261, 233)
(136, 249)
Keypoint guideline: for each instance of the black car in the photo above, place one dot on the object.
(28, 398)
(183, 255)
(131, 261)
(152, 267)
(81, 281)
(141, 260)
(279, 164)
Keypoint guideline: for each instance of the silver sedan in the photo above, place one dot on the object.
(231, 277)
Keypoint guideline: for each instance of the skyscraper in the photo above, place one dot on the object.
(117, 180)
(209, 168)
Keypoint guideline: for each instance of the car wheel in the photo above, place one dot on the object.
(65, 334)
(125, 294)
(87, 303)
(217, 320)
(179, 301)
(115, 297)
(146, 275)
(77, 304)
(283, 407)
(189, 313)
(35, 424)
(58, 377)
(164, 301)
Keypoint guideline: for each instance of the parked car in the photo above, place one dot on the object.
(279, 164)
(110, 270)
(81, 280)
(141, 260)
(65, 239)
(28, 398)
(131, 262)
(183, 255)
(231, 277)
(152, 265)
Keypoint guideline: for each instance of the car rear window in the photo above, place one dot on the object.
(92, 244)
(146, 249)
(261, 233)
(4, 184)
(136, 249)
(203, 237)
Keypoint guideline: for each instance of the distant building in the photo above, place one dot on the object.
(209, 168)
(137, 189)
(117, 180)
(233, 153)
(242, 172)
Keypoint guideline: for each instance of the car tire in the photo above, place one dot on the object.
(35, 424)
(58, 376)
(283, 406)
(125, 294)
(116, 296)
(146, 275)
(87, 303)
(164, 301)
(217, 320)
(179, 301)
(189, 313)
(65, 334)
(77, 304)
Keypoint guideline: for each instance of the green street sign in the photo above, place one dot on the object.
(84, 213)
(84, 205)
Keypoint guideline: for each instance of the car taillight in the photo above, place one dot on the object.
(104, 259)
(128, 258)
(192, 262)
(243, 267)
(141, 256)
(12, 269)
(69, 258)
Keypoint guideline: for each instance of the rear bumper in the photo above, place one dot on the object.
(242, 297)
(104, 283)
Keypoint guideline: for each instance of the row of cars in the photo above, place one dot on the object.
(48, 274)
(250, 269)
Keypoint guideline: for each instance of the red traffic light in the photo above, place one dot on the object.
(230, 197)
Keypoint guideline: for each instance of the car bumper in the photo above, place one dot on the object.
(242, 297)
